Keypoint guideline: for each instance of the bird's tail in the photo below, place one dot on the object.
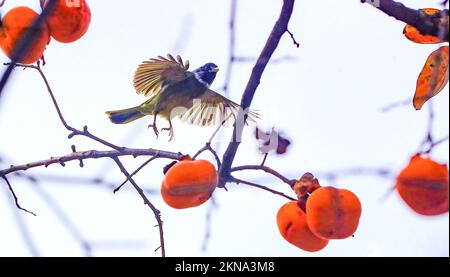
(125, 116)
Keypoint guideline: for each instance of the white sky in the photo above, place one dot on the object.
(353, 60)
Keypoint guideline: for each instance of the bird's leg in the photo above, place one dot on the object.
(155, 130)
(170, 129)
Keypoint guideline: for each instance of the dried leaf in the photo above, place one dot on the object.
(414, 35)
(433, 78)
(272, 141)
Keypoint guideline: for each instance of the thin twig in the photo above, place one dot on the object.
(290, 182)
(396, 105)
(435, 144)
(136, 172)
(239, 181)
(296, 43)
(14, 195)
(25, 232)
(208, 147)
(264, 159)
(155, 211)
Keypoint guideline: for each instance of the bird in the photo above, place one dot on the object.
(173, 91)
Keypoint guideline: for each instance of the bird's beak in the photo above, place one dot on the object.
(215, 69)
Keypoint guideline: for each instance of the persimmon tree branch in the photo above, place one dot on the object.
(92, 154)
(24, 230)
(16, 200)
(280, 28)
(271, 171)
(147, 202)
(426, 24)
(240, 181)
(136, 172)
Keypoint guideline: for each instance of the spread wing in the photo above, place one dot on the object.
(213, 109)
(152, 75)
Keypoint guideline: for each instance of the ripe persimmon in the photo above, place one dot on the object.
(291, 221)
(69, 21)
(424, 186)
(15, 24)
(414, 35)
(189, 183)
(333, 213)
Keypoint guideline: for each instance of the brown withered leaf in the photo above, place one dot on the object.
(414, 35)
(272, 141)
(433, 78)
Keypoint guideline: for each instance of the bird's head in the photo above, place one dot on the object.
(206, 74)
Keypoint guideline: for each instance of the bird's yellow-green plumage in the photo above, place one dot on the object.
(174, 91)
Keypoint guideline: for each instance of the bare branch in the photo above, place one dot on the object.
(147, 202)
(296, 43)
(434, 144)
(14, 194)
(278, 31)
(396, 105)
(239, 181)
(136, 172)
(290, 182)
(25, 232)
(92, 154)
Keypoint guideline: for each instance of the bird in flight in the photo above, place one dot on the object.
(174, 91)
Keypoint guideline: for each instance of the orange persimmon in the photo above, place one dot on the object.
(333, 213)
(189, 183)
(291, 221)
(414, 35)
(69, 21)
(433, 78)
(424, 186)
(15, 24)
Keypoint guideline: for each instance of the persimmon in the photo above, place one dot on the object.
(189, 183)
(333, 213)
(70, 20)
(291, 221)
(414, 35)
(424, 186)
(15, 24)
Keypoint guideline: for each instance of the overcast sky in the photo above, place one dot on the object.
(353, 60)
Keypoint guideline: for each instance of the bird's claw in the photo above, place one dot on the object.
(171, 133)
(155, 130)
